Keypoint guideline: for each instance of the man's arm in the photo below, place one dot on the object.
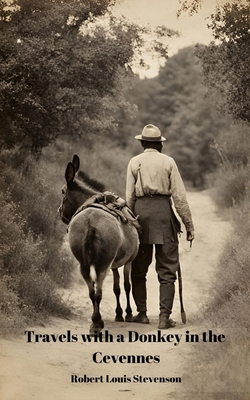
(180, 201)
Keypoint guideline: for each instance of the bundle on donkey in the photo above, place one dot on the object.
(103, 234)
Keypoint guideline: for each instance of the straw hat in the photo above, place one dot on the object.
(151, 133)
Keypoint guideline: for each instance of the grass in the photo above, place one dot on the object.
(30, 268)
(222, 372)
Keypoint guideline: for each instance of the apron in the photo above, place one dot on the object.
(157, 219)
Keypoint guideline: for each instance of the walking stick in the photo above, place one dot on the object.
(183, 314)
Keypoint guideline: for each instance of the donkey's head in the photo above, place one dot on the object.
(77, 189)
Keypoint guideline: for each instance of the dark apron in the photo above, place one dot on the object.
(157, 219)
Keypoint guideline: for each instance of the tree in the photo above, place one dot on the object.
(226, 60)
(64, 68)
(175, 101)
(190, 6)
(53, 78)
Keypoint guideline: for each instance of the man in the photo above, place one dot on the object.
(152, 180)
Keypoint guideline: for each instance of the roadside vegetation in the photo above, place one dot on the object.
(65, 67)
(222, 371)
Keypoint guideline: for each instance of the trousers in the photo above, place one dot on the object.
(166, 256)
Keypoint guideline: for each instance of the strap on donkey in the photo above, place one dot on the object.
(115, 205)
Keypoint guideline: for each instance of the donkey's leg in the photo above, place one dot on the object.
(97, 321)
(91, 287)
(95, 294)
(127, 287)
(117, 292)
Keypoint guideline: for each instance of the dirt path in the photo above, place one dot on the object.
(43, 371)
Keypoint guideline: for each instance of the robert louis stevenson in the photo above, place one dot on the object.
(124, 379)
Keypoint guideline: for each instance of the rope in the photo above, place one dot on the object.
(188, 251)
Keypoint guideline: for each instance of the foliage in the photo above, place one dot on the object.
(225, 62)
(30, 265)
(52, 76)
(175, 101)
(193, 124)
(223, 372)
(231, 180)
(64, 68)
(10, 314)
(104, 161)
(190, 6)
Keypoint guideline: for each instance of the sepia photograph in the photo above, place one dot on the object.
(124, 189)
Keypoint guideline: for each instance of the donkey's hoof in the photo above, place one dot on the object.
(129, 318)
(119, 318)
(95, 329)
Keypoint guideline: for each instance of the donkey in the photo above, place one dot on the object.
(98, 240)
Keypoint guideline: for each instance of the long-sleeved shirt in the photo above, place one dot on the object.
(152, 173)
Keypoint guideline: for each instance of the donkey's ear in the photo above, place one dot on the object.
(70, 173)
(76, 162)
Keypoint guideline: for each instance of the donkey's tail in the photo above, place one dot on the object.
(88, 251)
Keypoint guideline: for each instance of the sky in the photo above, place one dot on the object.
(193, 29)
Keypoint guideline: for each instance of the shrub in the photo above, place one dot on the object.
(38, 293)
(29, 257)
(10, 313)
(105, 161)
(231, 179)
(231, 184)
(24, 262)
(221, 372)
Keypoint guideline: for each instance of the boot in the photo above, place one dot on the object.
(166, 303)
(141, 317)
(165, 322)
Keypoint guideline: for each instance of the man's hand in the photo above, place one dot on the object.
(190, 236)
